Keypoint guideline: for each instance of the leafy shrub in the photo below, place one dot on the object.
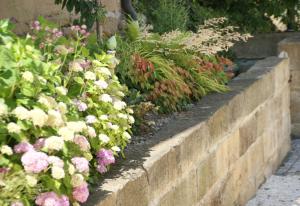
(164, 15)
(62, 118)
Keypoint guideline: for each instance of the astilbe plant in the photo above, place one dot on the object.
(62, 118)
(212, 37)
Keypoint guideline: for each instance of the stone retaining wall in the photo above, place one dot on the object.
(292, 47)
(215, 154)
(23, 12)
(261, 45)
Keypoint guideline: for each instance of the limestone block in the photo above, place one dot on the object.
(135, 192)
(248, 134)
(218, 124)
(236, 108)
(206, 175)
(255, 157)
(185, 193)
(195, 147)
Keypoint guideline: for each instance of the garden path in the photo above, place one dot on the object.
(282, 188)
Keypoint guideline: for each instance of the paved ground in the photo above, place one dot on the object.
(283, 188)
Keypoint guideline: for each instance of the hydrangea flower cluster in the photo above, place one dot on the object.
(68, 120)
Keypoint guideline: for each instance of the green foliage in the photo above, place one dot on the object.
(89, 11)
(251, 16)
(165, 15)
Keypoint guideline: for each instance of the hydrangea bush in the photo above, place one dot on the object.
(62, 118)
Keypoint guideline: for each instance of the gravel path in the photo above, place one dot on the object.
(283, 188)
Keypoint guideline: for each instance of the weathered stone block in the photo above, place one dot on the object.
(248, 134)
(206, 175)
(135, 192)
(218, 123)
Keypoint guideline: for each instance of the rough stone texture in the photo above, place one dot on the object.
(22, 13)
(261, 45)
(218, 153)
(292, 47)
(282, 189)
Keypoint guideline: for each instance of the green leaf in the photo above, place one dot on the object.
(79, 80)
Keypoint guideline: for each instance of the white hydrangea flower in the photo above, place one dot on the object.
(57, 172)
(38, 117)
(62, 107)
(116, 148)
(129, 110)
(66, 133)
(77, 180)
(90, 75)
(3, 108)
(119, 105)
(54, 143)
(122, 116)
(77, 126)
(91, 132)
(112, 126)
(104, 70)
(103, 117)
(49, 102)
(126, 135)
(27, 76)
(61, 90)
(101, 84)
(105, 98)
(75, 67)
(56, 161)
(54, 118)
(5, 149)
(90, 119)
(104, 138)
(120, 94)
(13, 128)
(31, 180)
(131, 119)
(21, 113)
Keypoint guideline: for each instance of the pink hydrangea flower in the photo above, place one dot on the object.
(105, 157)
(39, 144)
(34, 162)
(51, 198)
(81, 193)
(81, 164)
(82, 142)
(102, 169)
(23, 147)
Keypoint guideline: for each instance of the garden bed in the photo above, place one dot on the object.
(218, 152)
